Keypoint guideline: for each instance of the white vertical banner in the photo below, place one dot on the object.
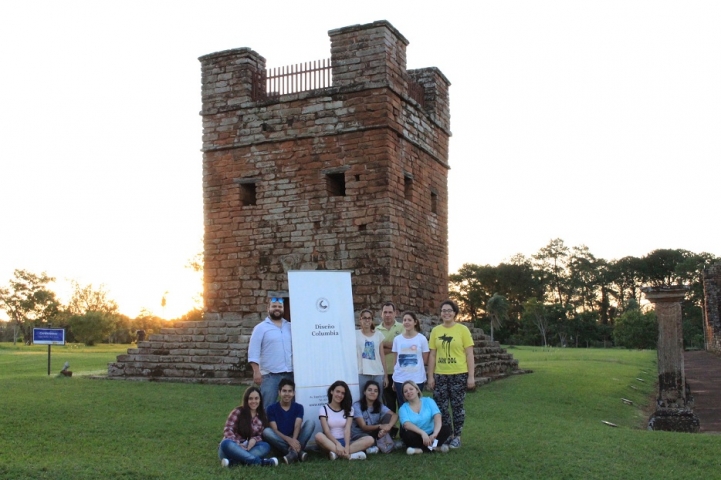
(323, 329)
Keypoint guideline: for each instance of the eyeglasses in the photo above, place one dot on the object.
(445, 310)
(366, 318)
(276, 300)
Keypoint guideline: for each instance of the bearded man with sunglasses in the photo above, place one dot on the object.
(270, 352)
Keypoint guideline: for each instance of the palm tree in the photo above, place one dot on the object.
(497, 310)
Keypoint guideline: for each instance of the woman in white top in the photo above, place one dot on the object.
(370, 352)
(335, 420)
(411, 352)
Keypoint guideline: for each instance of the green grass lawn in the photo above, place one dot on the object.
(547, 424)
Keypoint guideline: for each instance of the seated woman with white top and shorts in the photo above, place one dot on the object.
(335, 419)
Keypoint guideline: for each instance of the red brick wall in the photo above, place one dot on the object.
(364, 128)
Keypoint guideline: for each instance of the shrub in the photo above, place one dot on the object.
(635, 329)
(92, 327)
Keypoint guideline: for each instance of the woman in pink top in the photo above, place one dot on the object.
(335, 420)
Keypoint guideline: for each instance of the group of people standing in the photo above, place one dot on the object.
(444, 364)
(395, 363)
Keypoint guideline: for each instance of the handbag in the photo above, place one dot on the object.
(385, 443)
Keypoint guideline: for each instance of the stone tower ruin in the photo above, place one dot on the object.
(330, 165)
(338, 165)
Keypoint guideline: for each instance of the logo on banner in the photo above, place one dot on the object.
(322, 305)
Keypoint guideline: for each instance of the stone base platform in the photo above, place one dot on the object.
(209, 351)
(492, 361)
(216, 352)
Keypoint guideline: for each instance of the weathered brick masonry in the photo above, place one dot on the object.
(350, 177)
(712, 303)
(390, 225)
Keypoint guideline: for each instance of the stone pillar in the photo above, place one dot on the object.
(674, 404)
(712, 308)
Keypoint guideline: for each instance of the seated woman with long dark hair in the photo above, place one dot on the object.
(335, 420)
(373, 418)
(242, 443)
(421, 427)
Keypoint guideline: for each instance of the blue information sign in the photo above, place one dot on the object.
(49, 336)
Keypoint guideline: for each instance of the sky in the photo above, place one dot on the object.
(597, 122)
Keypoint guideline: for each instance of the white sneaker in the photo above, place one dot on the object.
(372, 450)
(225, 463)
(413, 451)
(358, 456)
(443, 448)
(332, 455)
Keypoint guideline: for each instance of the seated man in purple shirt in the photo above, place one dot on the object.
(270, 352)
(288, 433)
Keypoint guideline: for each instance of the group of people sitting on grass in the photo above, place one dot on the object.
(348, 430)
(352, 430)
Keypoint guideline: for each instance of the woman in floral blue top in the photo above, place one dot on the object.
(242, 442)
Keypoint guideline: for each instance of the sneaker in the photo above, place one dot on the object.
(358, 456)
(332, 455)
(455, 443)
(302, 456)
(443, 448)
(372, 450)
(225, 463)
(269, 462)
(291, 457)
(398, 444)
(413, 451)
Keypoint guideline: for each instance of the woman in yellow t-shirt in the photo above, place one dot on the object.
(451, 368)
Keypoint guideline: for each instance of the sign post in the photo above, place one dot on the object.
(49, 337)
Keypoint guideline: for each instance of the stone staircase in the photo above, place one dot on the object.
(492, 361)
(209, 351)
(216, 351)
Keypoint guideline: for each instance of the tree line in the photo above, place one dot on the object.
(89, 317)
(559, 296)
(567, 296)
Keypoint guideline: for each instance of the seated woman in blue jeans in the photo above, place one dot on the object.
(242, 443)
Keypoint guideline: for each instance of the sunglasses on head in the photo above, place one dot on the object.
(276, 300)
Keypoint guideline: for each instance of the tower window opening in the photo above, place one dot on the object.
(408, 187)
(335, 184)
(248, 194)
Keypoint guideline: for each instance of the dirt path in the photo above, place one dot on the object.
(703, 375)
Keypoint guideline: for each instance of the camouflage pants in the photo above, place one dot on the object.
(450, 391)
